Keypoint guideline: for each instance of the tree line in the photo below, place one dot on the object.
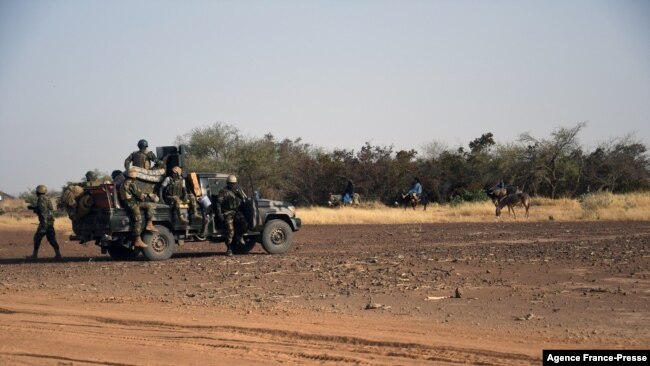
(556, 166)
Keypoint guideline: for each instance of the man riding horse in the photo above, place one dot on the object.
(414, 195)
(499, 191)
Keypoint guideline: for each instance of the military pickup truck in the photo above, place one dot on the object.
(107, 222)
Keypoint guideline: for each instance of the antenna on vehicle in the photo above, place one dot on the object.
(255, 193)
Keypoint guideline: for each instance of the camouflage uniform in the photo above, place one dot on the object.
(44, 210)
(91, 180)
(228, 201)
(141, 159)
(134, 200)
(175, 192)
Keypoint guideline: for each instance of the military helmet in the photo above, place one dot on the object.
(177, 170)
(231, 179)
(142, 144)
(41, 189)
(132, 173)
(90, 175)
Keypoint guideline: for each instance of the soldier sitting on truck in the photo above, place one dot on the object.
(175, 193)
(135, 199)
(227, 208)
(91, 180)
(142, 158)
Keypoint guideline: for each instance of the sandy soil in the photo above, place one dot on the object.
(358, 295)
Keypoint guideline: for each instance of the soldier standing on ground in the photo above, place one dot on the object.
(175, 192)
(142, 158)
(45, 212)
(134, 199)
(228, 201)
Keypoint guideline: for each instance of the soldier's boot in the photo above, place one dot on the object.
(150, 227)
(57, 254)
(34, 255)
(240, 240)
(181, 219)
(139, 243)
(228, 251)
(204, 227)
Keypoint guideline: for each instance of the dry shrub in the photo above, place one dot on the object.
(13, 205)
(592, 202)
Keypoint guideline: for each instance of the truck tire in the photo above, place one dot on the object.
(249, 244)
(276, 237)
(160, 245)
(120, 253)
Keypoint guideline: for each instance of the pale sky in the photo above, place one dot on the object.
(82, 81)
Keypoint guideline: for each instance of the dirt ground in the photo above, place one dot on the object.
(357, 295)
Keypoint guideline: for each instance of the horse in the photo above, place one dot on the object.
(512, 200)
(496, 193)
(337, 199)
(406, 199)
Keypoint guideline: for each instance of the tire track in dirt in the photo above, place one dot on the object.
(269, 343)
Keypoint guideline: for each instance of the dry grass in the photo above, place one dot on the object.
(598, 206)
(17, 217)
(29, 223)
(634, 206)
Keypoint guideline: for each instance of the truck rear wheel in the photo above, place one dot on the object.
(160, 245)
(120, 253)
(276, 237)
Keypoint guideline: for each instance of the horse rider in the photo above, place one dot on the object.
(348, 193)
(416, 189)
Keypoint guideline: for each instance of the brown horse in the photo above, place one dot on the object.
(513, 200)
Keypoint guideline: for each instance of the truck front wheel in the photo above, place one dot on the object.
(276, 237)
(160, 245)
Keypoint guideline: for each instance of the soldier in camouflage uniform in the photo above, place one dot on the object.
(45, 212)
(175, 193)
(142, 158)
(91, 180)
(134, 200)
(228, 201)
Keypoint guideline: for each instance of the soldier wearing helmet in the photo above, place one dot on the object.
(174, 193)
(91, 179)
(135, 200)
(142, 158)
(45, 212)
(229, 199)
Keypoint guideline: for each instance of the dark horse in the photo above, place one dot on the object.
(406, 199)
(496, 193)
